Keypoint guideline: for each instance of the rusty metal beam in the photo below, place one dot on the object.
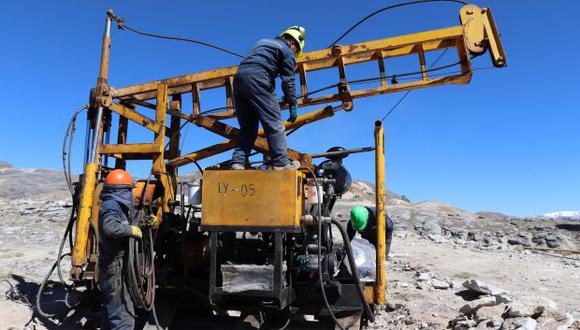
(134, 148)
(311, 61)
(137, 118)
(202, 153)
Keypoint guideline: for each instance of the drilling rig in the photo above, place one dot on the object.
(254, 241)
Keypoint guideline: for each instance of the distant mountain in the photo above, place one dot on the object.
(563, 215)
(40, 184)
(5, 165)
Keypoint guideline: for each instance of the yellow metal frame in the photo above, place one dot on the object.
(476, 34)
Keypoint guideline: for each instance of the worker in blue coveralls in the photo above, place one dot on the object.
(115, 229)
(255, 99)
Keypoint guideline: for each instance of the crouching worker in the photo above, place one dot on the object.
(364, 220)
(114, 232)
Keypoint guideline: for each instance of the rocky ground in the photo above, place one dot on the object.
(449, 268)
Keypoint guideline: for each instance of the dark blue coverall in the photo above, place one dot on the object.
(370, 231)
(114, 232)
(256, 102)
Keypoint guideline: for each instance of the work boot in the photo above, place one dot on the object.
(293, 165)
(237, 166)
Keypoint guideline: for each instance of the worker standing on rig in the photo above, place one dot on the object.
(114, 231)
(255, 99)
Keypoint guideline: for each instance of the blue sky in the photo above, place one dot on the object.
(509, 141)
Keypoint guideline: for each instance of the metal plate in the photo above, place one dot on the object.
(252, 198)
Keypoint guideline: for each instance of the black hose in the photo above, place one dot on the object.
(57, 266)
(353, 269)
(139, 267)
(320, 277)
(67, 146)
(139, 270)
(43, 284)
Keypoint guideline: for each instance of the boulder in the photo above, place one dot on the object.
(525, 306)
(399, 213)
(429, 227)
(552, 319)
(519, 241)
(483, 288)
(489, 312)
(472, 306)
(438, 284)
(520, 323)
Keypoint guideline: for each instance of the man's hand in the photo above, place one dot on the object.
(136, 232)
(150, 220)
(293, 114)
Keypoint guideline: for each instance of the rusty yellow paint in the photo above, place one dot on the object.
(252, 198)
(158, 159)
(369, 292)
(78, 257)
(135, 117)
(351, 54)
(381, 201)
(134, 148)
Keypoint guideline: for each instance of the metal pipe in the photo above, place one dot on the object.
(79, 252)
(381, 198)
(87, 139)
(93, 152)
(105, 51)
(343, 152)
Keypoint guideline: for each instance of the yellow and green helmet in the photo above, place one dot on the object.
(297, 33)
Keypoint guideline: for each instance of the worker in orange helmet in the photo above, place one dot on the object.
(115, 229)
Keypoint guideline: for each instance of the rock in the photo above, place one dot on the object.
(575, 325)
(462, 323)
(476, 236)
(553, 241)
(519, 241)
(457, 232)
(429, 227)
(524, 306)
(438, 284)
(472, 306)
(489, 312)
(484, 288)
(520, 323)
(552, 319)
(423, 276)
(399, 214)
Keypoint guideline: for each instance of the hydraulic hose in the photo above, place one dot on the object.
(139, 267)
(320, 275)
(353, 269)
(140, 270)
(57, 266)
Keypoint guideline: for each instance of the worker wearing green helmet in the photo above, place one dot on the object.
(363, 220)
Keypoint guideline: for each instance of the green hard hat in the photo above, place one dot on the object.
(359, 216)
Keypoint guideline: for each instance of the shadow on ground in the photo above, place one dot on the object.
(62, 307)
(569, 226)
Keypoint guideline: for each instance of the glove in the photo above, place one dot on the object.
(293, 114)
(136, 232)
(150, 220)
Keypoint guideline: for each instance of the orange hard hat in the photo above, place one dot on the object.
(119, 177)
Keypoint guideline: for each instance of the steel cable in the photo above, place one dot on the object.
(67, 147)
(121, 26)
(402, 4)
